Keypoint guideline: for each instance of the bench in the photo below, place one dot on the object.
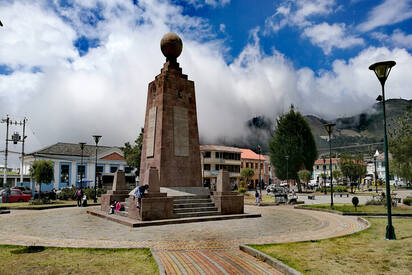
(341, 194)
(311, 197)
(398, 200)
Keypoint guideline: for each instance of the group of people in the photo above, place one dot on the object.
(81, 198)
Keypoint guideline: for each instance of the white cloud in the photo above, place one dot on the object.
(104, 92)
(213, 3)
(388, 13)
(298, 13)
(331, 36)
(398, 39)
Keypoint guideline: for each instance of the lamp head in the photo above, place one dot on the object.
(96, 138)
(82, 144)
(329, 127)
(382, 69)
(376, 154)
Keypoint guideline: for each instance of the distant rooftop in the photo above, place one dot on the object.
(219, 148)
(71, 149)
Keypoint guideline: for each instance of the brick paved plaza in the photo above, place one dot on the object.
(201, 246)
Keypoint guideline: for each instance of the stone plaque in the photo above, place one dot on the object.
(181, 131)
(151, 132)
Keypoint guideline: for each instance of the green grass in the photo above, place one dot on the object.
(50, 260)
(17, 205)
(362, 208)
(365, 252)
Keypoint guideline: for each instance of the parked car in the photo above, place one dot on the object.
(24, 189)
(270, 188)
(15, 195)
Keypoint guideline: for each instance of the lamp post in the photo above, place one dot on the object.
(203, 168)
(324, 175)
(260, 171)
(376, 174)
(382, 70)
(96, 140)
(287, 170)
(82, 144)
(329, 129)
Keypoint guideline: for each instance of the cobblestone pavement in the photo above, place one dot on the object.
(176, 245)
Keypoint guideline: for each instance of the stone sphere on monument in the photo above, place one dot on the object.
(171, 46)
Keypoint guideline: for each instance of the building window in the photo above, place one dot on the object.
(128, 169)
(114, 168)
(247, 164)
(65, 173)
(317, 167)
(81, 172)
(206, 167)
(217, 155)
(207, 154)
(100, 169)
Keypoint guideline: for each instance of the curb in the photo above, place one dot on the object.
(354, 213)
(269, 260)
(159, 263)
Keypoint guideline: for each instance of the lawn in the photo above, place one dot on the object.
(363, 208)
(58, 203)
(49, 260)
(365, 252)
(266, 199)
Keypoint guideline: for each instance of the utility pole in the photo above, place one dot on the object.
(7, 121)
(22, 150)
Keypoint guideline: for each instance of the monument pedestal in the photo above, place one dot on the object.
(118, 193)
(227, 201)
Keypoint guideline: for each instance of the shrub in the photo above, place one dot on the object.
(335, 189)
(407, 201)
(375, 202)
(67, 194)
(355, 202)
(90, 192)
(40, 201)
(242, 190)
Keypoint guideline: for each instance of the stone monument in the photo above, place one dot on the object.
(171, 137)
(119, 191)
(227, 201)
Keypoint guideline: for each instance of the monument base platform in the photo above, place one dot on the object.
(154, 206)
(137, 223)
(110, 196)
(228, 202)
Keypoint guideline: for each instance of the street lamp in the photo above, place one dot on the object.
(96, 140)
(324, 175)
(376, 174)
(82, 144)
(329, 129)
(203, 168)
(287, 170)
(260, 175)
(382, 70)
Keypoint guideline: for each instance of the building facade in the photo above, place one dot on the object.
(256, 162)
(322, 166)
(70, 166)
(215, 158)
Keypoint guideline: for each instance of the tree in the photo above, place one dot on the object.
(133, 154)
(305, 176)
(337, 175)
(400, 145)
(353, 168)
(293, 138)
(247, 174)
(42, 171)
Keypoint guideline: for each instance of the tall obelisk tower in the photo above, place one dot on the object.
(171, 137)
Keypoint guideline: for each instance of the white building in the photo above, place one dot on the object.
(68, 164)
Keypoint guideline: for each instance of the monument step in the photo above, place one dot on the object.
(197, 214)
(192, 205)
(186, 201)
(191, 197)
(195, 209)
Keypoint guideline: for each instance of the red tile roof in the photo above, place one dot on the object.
(320, 161)
(249, 154)
(113, 156)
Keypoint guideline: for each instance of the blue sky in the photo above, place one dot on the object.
(81, 67)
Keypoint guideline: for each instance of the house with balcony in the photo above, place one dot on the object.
(71, 165)
(322, 166)
(215, 158)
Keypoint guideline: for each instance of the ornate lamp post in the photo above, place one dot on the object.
(376, 174)
(260, 171)
(96, 140)
(382, 70)
(287, 170)
(324, 175)
(329, 129)
(82, 144)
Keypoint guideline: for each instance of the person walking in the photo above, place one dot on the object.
(79, 196)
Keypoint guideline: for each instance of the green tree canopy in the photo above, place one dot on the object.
(353, 168)
(305, 175)
(400, 146)
(133, 153)
(293, 138)
(247, 174)
(42, 171)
